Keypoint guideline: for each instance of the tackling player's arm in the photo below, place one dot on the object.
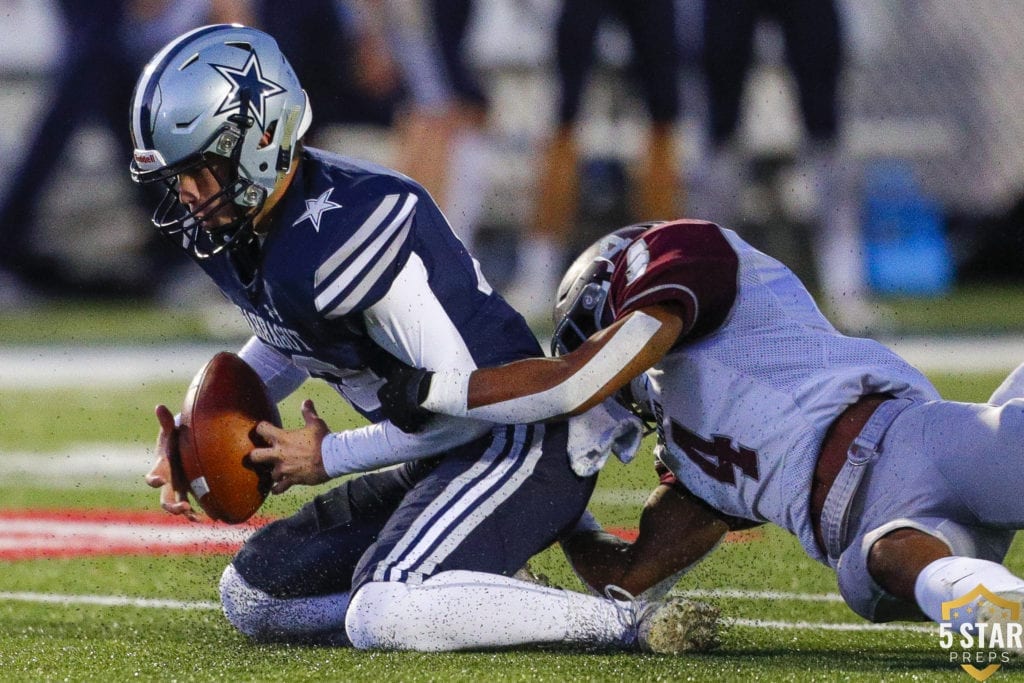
(676, 531)
(539, 389)
(668, 282)
(406, 320)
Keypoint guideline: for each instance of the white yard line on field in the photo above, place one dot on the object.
(118, 466)
(106, 601)
(51, 367)
(125, 601)
(997, 353)
(113, 463)
(825, 626)
(42, 367)
(738, 594)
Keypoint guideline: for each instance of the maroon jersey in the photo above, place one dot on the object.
(688, 263)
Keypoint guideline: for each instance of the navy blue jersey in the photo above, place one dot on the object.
(359, 267)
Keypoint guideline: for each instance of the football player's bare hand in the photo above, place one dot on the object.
(163, 475)
(294, 454)
(167, 439)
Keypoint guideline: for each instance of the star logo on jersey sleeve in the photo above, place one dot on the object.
(315, 208)
(249, 77)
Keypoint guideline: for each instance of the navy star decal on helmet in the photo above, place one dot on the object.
(248, 79)
(222, 97)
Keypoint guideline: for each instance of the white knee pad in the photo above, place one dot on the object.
(264, 618)
(375, 617)
(240, 603)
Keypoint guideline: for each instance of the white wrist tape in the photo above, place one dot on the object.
(449, 393)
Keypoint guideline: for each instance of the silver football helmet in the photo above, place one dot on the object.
(581, 301)
(224, 97)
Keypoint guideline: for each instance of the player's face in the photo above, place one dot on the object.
(198, 186)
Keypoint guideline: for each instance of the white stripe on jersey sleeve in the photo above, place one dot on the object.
(365, 231)
(337, 282)
(383, 262)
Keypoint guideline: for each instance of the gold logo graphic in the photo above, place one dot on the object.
(990, 625)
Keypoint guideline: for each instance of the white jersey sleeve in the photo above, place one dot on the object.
(346, 278)
(281, 376)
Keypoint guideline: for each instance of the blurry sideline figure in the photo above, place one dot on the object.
(657, 190)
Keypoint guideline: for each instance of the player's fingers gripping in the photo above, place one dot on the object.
(277, 474)
(270, 434)
(294, 455)
(173, 495)
(270, 454)
(160, 473)
(163, 474)
(176, 503)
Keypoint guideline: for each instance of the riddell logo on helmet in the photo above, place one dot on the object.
(148, 158)
(992, 630)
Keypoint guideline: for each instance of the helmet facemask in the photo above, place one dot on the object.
(581, 306)
(238, 195)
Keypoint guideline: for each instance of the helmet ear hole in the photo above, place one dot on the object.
(581, 301)
(267, 138)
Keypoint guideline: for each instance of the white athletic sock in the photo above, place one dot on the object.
(467, 184)
(265, 618)
(838, 247)
(459, 610)
(717, 195)
(949, 578)
(1012, 387)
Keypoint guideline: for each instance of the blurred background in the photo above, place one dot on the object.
(873, 146)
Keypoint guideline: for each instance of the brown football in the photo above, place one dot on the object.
(225, 402)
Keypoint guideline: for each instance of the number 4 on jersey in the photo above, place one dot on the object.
(717, 458)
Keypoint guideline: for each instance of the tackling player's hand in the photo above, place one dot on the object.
(166, 473)
(294, 454)
(401, 396)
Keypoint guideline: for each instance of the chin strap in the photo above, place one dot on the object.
(284, 152)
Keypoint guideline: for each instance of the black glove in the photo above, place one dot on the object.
(401, 397)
